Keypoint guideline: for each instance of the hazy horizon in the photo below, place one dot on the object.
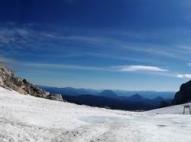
(113, 89)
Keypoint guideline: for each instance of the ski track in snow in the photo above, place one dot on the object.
(31, 119)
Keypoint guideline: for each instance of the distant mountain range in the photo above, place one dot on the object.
(144, 100)
(135, 102)
(70, 91)
(81, 91)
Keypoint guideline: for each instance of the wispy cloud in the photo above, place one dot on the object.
(134, 53)
(63, 66)
(24, 36)
(170, 52)
(152, 70)
(6, 36)
(184, 76)
(81, 38)
(140, 68)
(125, 68)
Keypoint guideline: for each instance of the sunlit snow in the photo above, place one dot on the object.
(27, 118)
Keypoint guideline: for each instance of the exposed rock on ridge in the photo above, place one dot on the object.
(10, 81)
(184, 94)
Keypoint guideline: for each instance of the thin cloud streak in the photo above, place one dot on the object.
(63, 66)
(151, 70)
(124, 68)
(11, 35)
(141, 68)
(184, 76)
(146, 69)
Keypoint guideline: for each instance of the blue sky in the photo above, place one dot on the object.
(116, 44)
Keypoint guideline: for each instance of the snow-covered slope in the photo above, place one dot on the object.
(177, 109)
(27, 118)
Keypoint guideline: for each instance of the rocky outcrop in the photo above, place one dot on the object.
(10, 81)
(184, 94)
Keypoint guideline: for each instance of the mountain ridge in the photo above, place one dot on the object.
(184, 94)
(147, 94)
(9, 80)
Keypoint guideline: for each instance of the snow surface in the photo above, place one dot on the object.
(31, 119)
